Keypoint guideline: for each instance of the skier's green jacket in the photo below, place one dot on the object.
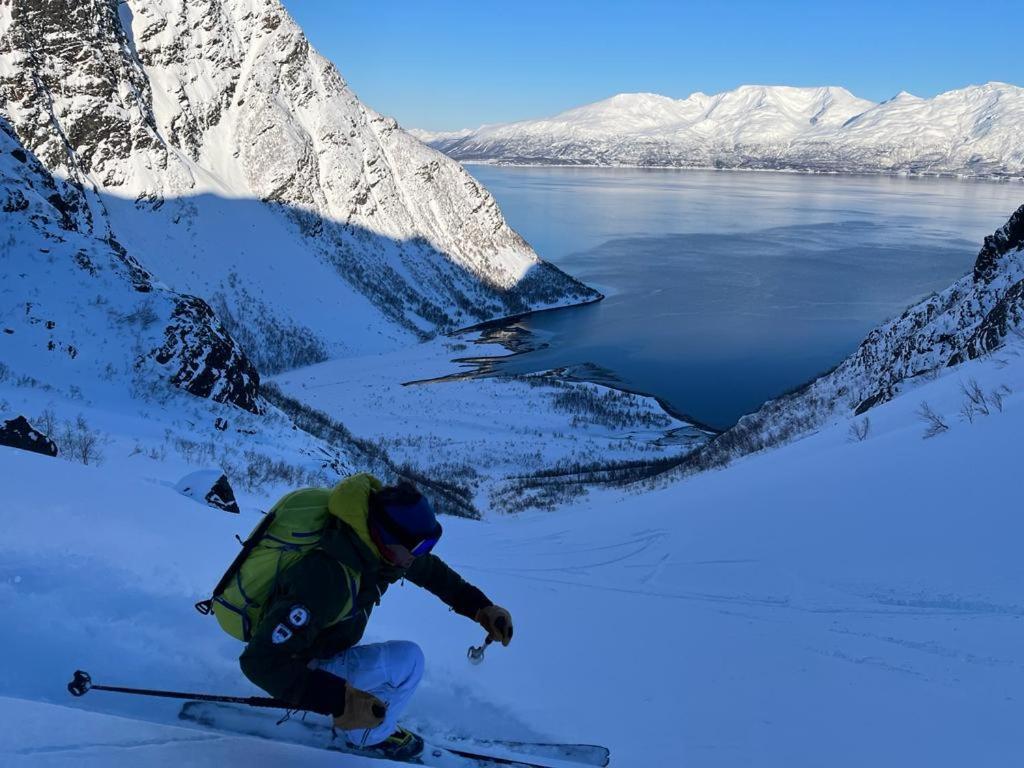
(322, 602)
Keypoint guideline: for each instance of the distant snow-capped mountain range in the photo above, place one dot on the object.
(973, 131)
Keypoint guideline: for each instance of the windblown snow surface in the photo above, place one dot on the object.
(829, 602)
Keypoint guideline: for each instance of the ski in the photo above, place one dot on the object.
(578, 754)
(442, 753)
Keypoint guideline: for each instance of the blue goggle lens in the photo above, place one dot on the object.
(425, 546)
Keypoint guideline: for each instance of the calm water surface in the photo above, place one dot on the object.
(728, 288)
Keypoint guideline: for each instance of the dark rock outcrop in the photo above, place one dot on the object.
(210, 487)
(206, 360)
(222, 496)
(1009, 238)
(18, 433)
(113, 117)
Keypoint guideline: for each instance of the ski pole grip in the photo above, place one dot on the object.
(80, 683)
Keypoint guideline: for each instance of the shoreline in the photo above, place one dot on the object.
(487, 365)
(945, 175)
(497, 322)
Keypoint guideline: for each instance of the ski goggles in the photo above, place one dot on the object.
(424, 547)
(392, 536)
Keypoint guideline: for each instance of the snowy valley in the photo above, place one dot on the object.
(226, 217)
(215, 260)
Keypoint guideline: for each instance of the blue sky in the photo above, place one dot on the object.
(446, 64)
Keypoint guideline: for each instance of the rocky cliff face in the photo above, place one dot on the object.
(234, 161)
(972, 317)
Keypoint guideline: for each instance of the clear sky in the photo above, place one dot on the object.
(445, 64)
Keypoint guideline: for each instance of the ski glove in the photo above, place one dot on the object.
(362, 710)
(497, 621)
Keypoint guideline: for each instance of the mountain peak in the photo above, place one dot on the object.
(820, 128)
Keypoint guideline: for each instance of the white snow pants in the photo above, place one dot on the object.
(390, 671)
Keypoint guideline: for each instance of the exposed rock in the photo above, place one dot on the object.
(1008, 238)
(211, 487)
(112, 117)
(18, 433)
(1006, 316)
(205, 359)
(970, 318)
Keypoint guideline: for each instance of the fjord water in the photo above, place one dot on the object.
(725, 289)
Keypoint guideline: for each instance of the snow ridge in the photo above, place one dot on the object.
(972, 131)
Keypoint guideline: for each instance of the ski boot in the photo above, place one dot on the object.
(400, 745)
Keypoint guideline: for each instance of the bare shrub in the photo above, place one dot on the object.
(967, 412)
(194, 452)
(143, 316)
(80, 442)
(997, 395)
(46, 422)
(859, 430)
(934, 422)
(974, 399)
(261, 470)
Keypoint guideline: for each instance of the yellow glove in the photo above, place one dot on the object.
(362, 710)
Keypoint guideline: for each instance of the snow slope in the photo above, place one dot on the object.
(93, 347)
(47, 736)
(826, 603)
(234, 162)
(192, 197)
(490, 434)
(971, 131)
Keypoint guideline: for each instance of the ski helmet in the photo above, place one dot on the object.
(400, 515)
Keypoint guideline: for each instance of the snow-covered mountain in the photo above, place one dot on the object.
(232, 161)
(971, 318)
(191, 197)
(971, 131)
(71, 299)
(431, 137)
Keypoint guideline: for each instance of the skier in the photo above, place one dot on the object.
(305, 648)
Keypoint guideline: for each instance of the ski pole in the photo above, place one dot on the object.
(81, 684)
(475, 654)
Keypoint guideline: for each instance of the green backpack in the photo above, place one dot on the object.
(290, 530)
